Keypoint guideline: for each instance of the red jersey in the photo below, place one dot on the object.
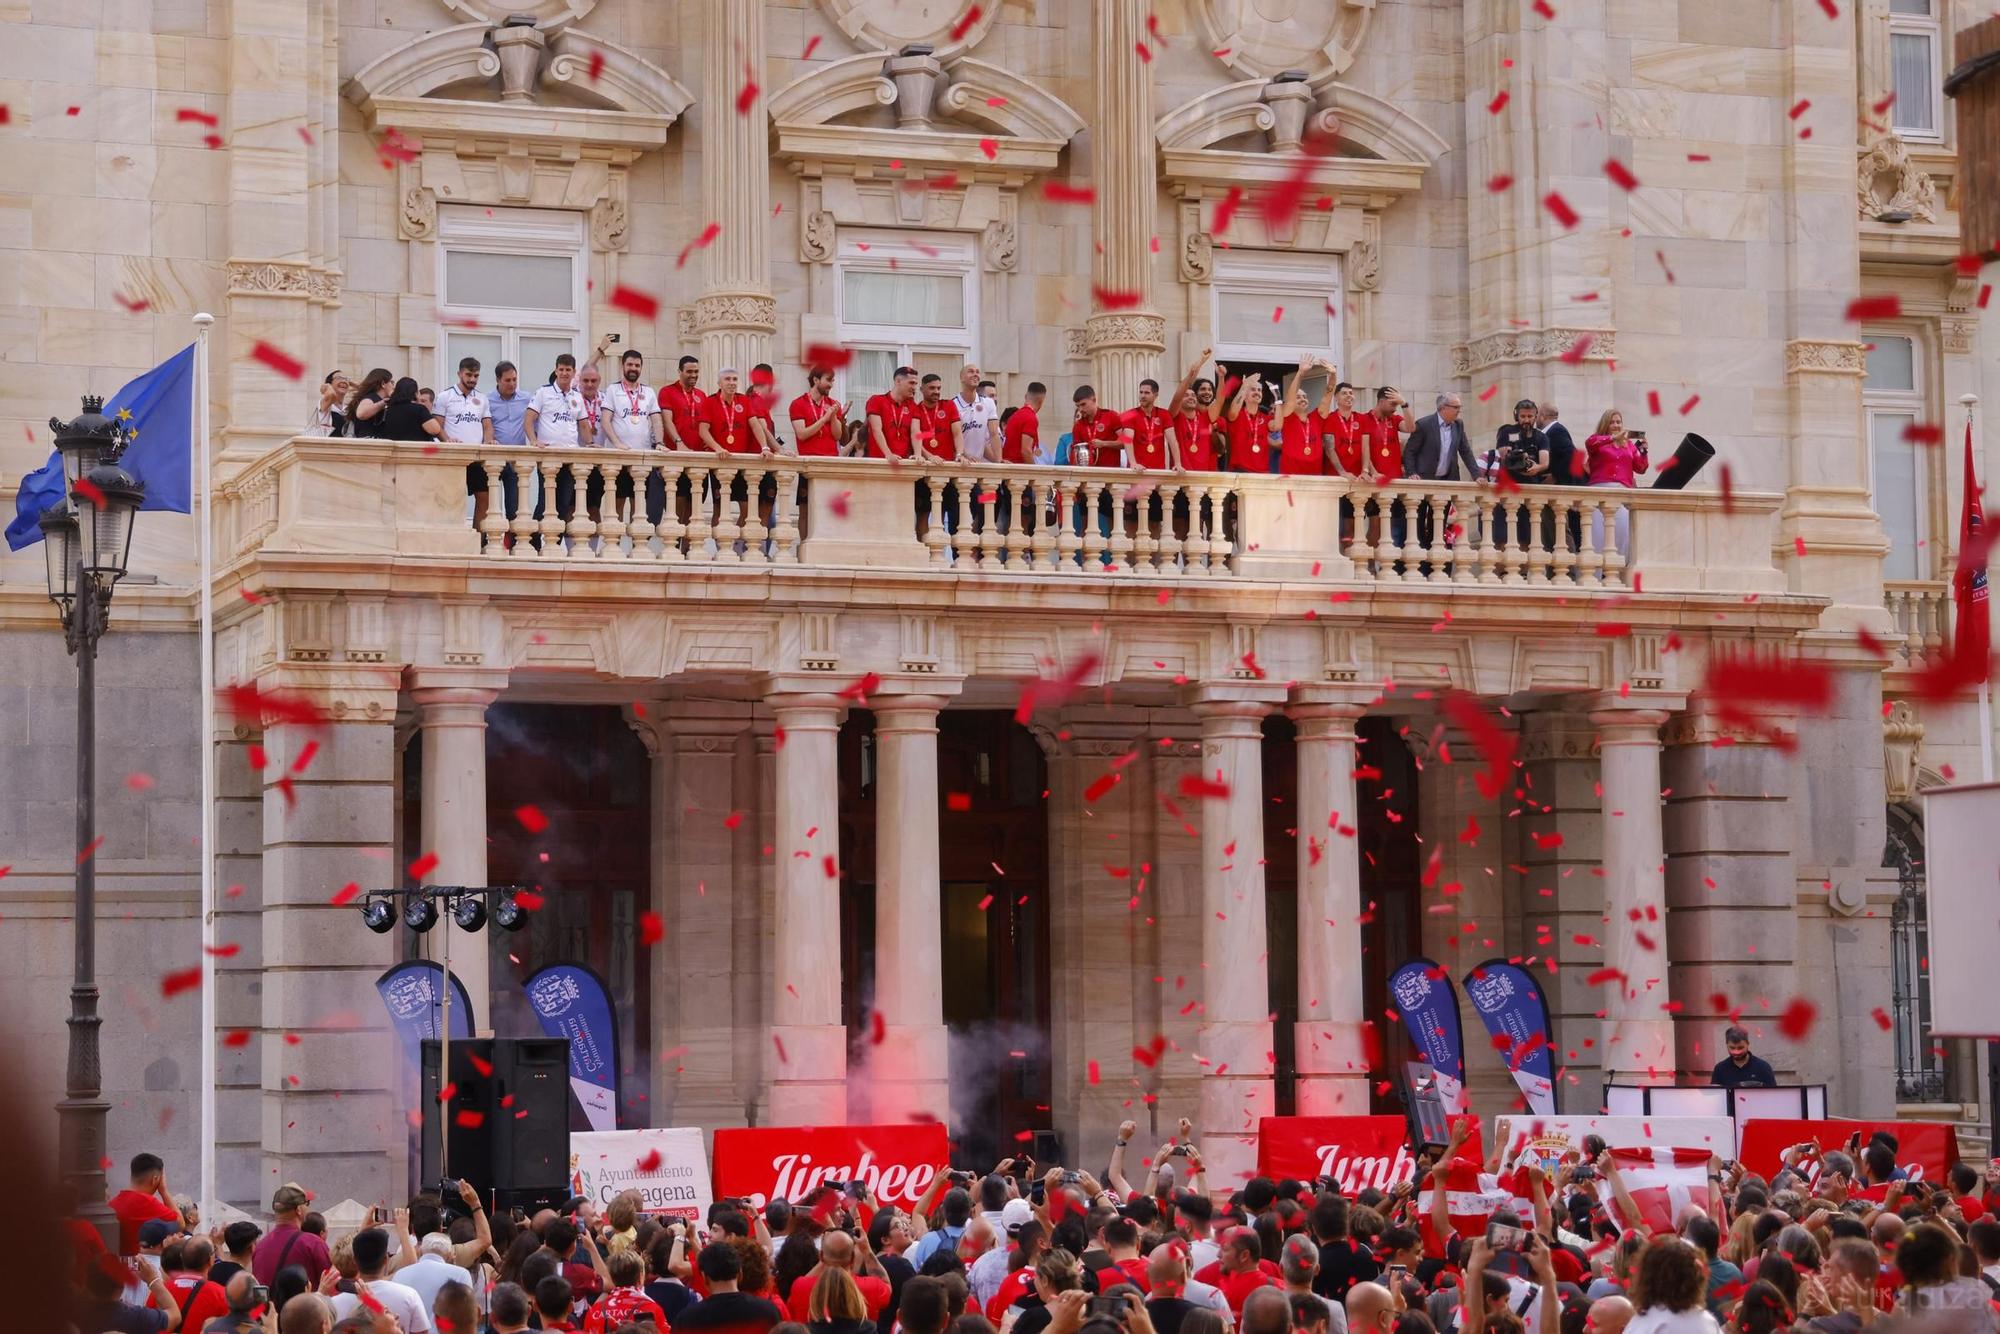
(1149, 436)
(624, 1306)
(896, 418)
(1012, 1288)
(209, 1302)
(1249, 442)
(1135, 1273)
(824, 443)
(934, 423)
(729, 423)
(1350, 438)
(1385, 445)
(1023, 434)
(1196, 436)
(1094, 442)
(685, 407)
(134, 1208)
(1299, 452)
(874, 1295)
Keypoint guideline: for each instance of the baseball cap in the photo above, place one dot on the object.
(155, 1231)
(289, 1196)
(1016, 1213)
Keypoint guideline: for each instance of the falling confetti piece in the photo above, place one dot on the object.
(701, 242)
(1574, 355)
(1196, 788)
(423, 866)
(1499, 183)
(236, 1037)
(1559, 209)
(1797, 1020)
(186, 114)
(186, 979)
(1653, 402)
(1620, 174)
(1145, 52)
(531, 818)
(965, 22)
(1486, 394)
(1882, 1019)
(284, 364)
(811, 47)
(1543, 8)
(746, 97)
(1831, 10)
(958, 801)
(1108, 299)
(990, 147)
(632, 300)
(1874, 308)
(649, 1163)
(1499, 103)
(1689, 406)
(1225, 212)
(1799, 108)
(651, 929)
(138, 782)
(1060, 192)
(346, 894)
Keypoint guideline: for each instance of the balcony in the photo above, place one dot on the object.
(377, 500)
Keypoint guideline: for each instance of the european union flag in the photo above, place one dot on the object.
(158, 411)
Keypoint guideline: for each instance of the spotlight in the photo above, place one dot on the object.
(470, 913)
(378, 916)
(421, 914)
(508, 916)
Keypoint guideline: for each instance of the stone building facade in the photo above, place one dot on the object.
(402, 182)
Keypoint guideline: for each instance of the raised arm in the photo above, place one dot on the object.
(1187, 381)
(482, 1240)
(1608, 1169)
(1116, 1175)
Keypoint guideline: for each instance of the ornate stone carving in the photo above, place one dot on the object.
(1263, 38)
(816, 237)
(1959, 336)
(270, 277)
(1364, 267)
(736, 310)
(549, 15)
(1887, 182)
(1902, 733)
(997, 248)
(1125, 330)
(1516, 345)
(1807, 355)
(1074, 348)
(684, 325)
(419, 219)
(323, 285)
(892, 26)
(610, 226)
(1197, 257)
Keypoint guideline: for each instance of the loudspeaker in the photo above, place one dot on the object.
(508, 1120)
(1689, 459)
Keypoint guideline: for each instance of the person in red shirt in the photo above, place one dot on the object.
(146, 1198)
(936, 439)
(1240, 1270)
(1384, 440)
(1249, 417)
(627, 1302)
(1021, 445)
(1153, 442)
(839, 1250)
(891, 417)
(1121, 1243)
(1299, 452)
(200, 1298)
(1095, 441)
(1343, 434)
(730, 424)
(681, 406)
(817, 417)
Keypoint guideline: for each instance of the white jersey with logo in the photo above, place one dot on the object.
(626, 411)
(556, 415)
(977, 419)
(463, 414)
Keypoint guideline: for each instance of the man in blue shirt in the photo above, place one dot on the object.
(509, 407)
(1740, 1069)
(957, 1208)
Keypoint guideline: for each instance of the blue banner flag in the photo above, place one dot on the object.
(157, 410)
(415, 1002)
(571, 1002)
(1511, 1005)
(1428, 1003)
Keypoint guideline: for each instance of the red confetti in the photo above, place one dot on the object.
(1090, 1071)
(1653, 401)
(1104, 784)
(634, 301)
(1985, 294)
(468, 1119)
(90, 851)
(990, 147)
(1882, 1019)
(1543, 8)
(596, 65)
(423, 866)
(288, 366)
(236, 1037)
(958, 801)
(1620, 174)
(1577, 350)
(1486, 394)
(1145, 53)
(1689, 406)
(134, 306)
(89, 490)
(1496, 745)
(1499, 103)
(1797, 1020)
(186, 114)
(1110, 300)
(830, 355)
(1059, 192)
(264, 708)
(650, 1163)
(186, 979)
(863, 688)
(651, 929)
(1226, 210)
(138, 782)
(1832, 10)
(1197, 788)
(878, 1028)
(346, 894)
(531, 818)
(1875, 308)
(1799, 107)
(701, 242)
(395, 146)
(811, 47)
(746, 97)
(1499, 183)
(1559, 209)
(965, 22)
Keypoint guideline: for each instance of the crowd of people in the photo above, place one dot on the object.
(1837, 1241)
(1220, 422)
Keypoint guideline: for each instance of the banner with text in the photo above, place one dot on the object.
(668, 1167)
(1356, 1151)
(1926, 1148)
(571, 1002)
(1546, 1139)
(778, 1162)
(415, 1002)
(1511, 1005)
(1428, 1003)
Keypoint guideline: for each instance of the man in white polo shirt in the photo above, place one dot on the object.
(556, 418)
(468, 420)
(629, 413)
(976, 415)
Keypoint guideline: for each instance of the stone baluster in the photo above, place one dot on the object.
(729, 513)
(551, 526)
(1044, 547)
(522, 525)
(1479, 547)
(1068, 539)
(986, 494)
(611, 529)
(578, 527)
(494, 526)
(1219, 497)
(1095, 543)
(964, 542)
(754, 529)
(785, 518)
(704, 481)
(642, 528)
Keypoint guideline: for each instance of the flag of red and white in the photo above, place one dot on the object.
(1662, 1182)
(1472, 1197)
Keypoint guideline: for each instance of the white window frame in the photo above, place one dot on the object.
(949, 254)
(1930, 27)
(511, 231)
(1283, 279)
(1913, 403)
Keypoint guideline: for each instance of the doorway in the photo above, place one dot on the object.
(993, 929)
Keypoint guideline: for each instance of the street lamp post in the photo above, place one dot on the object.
(88, 538)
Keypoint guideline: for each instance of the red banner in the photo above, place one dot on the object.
(787, 1163)
(1926, 1148)
(1357, 1151)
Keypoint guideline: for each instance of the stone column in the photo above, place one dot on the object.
(331, 1111)
(1235, 1035)
(909, 1070)
(239, 979)
(1562, 888)
(451, 712)
(271, 273)
(1638, 1035)
(1125, 345)
(1331, 1047)
(735, 315)
(808, 1063)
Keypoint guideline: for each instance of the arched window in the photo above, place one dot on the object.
(1920, 1058)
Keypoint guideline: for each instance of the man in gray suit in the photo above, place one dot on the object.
(1437, 446)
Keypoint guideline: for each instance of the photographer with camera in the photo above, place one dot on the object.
(1520, 454)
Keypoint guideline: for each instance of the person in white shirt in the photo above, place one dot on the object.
(371, 1255)
(556, 418)
(433, 1269)
(976, 415)
(468, 419)
(628, 414)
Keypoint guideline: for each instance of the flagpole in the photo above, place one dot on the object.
(198, 461)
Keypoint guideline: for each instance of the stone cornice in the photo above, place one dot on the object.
(294, 279)
(1523, 345)
(1810, 356)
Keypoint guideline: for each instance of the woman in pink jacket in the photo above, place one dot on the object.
(1615, 459)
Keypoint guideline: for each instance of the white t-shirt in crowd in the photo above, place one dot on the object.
(627, 412)
(556, 415)
(463, 414)
(1659, 1320)
(400, 1301)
